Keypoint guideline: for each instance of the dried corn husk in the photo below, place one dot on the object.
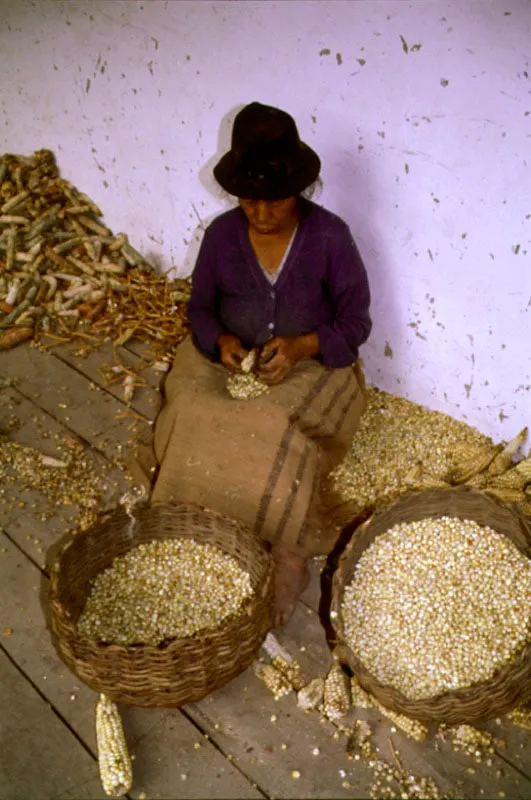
(504, 460)
(311, 695)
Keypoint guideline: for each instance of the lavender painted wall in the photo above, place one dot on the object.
(421, 113)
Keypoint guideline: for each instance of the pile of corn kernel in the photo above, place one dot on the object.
(69, 480)
(438, 604)
(164, 589)
(394, 437)
(245, 387)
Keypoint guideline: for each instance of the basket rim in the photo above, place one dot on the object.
(200, 637)
(344, 652)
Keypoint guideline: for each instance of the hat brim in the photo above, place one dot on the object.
(234, 182)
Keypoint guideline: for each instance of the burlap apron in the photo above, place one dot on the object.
(260, 461)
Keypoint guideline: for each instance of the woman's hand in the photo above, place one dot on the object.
(281, 354)
(231, 351)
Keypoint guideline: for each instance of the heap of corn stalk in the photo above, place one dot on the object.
(63, 272)
(401, 446)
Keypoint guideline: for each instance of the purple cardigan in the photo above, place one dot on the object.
(323, 288)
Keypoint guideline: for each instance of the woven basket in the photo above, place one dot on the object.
(512, 683)
(180, 670)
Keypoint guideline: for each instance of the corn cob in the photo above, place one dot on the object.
(506, 494)
(481, 459)
(504, 460)
(524, 468)
(414, 474)
(311, 695)
(249, 361)
(470, 740)
(512, 479)
(292, 671)
(521, 717)
(336, 693)
(359, 743)
(412, 727)
(360, 698)
(428, 482)
(478, 481)
(273, 679)
(114, 761)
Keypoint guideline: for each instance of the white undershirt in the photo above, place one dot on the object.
(272, 277)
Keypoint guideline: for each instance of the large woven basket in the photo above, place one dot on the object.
(512, 684)
(180, 670)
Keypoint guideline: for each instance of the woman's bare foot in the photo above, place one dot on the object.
(291, 579)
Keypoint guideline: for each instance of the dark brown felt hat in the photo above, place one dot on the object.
(267, 160)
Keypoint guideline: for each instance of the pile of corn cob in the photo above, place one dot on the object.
(64, 273)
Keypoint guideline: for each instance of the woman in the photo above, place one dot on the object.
(283, 275)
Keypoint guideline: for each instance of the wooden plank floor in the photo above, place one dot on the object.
(238, 742)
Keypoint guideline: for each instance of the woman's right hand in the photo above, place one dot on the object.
(231, 351)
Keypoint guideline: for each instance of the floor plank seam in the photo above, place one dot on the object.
(52, 708)
(64, 424)
(45, 699)
(203, 733)
(19, 547)
(104, 388)
(338, 725)
(513, 765)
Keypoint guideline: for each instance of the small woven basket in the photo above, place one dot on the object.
(179, 670)
(512, 684)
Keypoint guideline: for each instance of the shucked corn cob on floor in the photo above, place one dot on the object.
(238, 742)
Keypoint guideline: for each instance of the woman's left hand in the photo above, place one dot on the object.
(281, 354)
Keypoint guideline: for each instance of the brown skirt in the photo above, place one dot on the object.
(260, 461)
